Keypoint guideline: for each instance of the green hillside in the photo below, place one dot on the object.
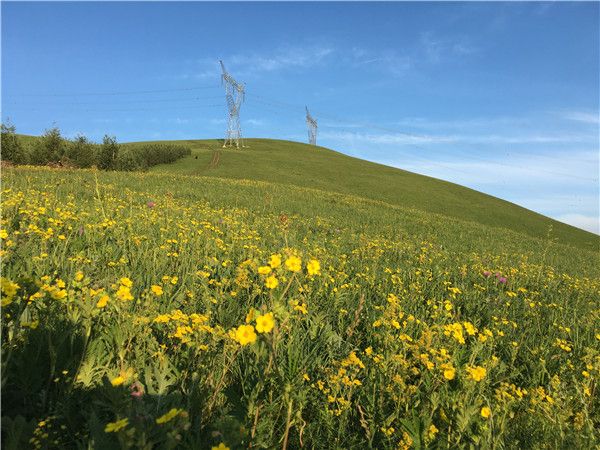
(320, 168)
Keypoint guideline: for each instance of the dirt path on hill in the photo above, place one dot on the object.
(216, 157)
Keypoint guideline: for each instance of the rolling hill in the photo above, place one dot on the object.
(320, 168)
(242, 298)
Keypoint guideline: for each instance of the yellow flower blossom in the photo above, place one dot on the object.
(293, 264)
(476, 373)
(9, 289)
(174, 412)
(265, 323)
(221, 446)
(271, 282)
(58, 294)
(449, 371)
(486, 412)
(157, 290)
(117, 381)
(102, 302)
(123, 293)
(245, 334)
(113, 427)
(126, 282)
(275, 261)
(313, 267)
(264, 270)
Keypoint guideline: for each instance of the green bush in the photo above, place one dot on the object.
(11, 147)
(52, 148)
(108, 153)
(81, 152)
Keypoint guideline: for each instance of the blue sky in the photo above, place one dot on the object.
(500, 97)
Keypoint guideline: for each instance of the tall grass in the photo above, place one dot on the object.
(161, 311)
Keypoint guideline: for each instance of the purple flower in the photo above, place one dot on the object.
(502, 280)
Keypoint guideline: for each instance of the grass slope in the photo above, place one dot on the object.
(320, 168)
(130, 302)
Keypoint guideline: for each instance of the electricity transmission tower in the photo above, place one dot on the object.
(312, 128)
(234, 95)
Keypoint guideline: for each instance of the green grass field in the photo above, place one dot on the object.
(302, 165)
(287, 296)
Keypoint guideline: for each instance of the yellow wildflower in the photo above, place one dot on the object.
(102, 302)
(271, 282)
(9, 289)
(117, 381)
(174, 412)
(116, 426)
(3, 234)
(245, 334)
(124, 294)
(264, 270)
(476, 373)
(157, 290)
(449, 371)
(265, 323)
(432, 431)
(486, 412)
(221, 446)
(353, 360)
(293, 264)
(126, 282)
(469, 328)
(313, 267)
(275, 261)
(59, 294)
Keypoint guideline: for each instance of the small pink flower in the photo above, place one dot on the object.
(137, 390)
(502, 280)
(151, 204)
(487, 273)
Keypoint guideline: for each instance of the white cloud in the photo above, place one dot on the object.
(409, 138)
(582, 116)
(588, 223)
(255, 122)
(437, 49)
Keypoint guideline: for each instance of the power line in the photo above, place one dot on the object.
(19, 104)
(368, 125)
(145, 109)
(118, 93)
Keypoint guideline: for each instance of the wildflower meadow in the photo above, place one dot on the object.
(144, 310)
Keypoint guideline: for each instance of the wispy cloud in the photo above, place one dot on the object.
(436, 49)
(408, 138)
(255, 122)
(254, 63)
(582, 116)
(288, 57)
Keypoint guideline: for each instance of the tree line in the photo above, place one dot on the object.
(53, 149)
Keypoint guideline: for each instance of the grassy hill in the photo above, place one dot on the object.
(320, 168)
(286, 296)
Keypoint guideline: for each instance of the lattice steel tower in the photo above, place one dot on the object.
(234, 95)
(312, 128)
